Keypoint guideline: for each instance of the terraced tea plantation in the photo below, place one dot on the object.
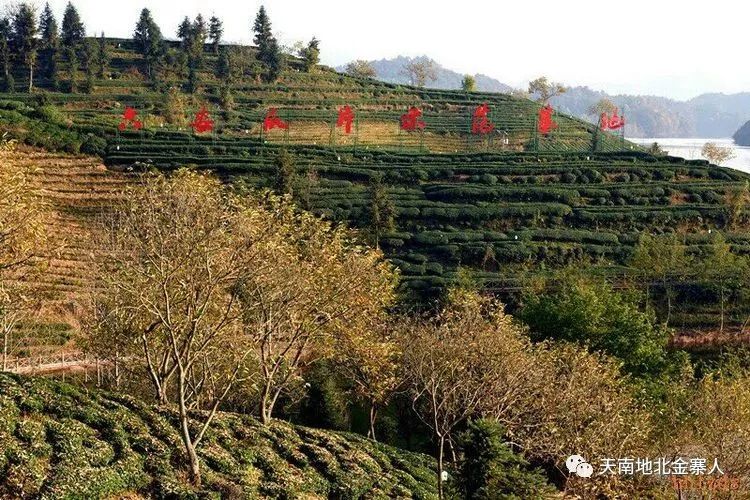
(61, 441)
(506, 204)
(484, 211)
(309, 103)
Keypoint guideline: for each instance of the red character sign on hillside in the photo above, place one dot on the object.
(345, 119)
(129, 117)
(411, 120)
(546, 124)
(480, 123)
(613, 122)
(202, 122)
(273, 121)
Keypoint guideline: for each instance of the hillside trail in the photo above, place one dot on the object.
(80, 191)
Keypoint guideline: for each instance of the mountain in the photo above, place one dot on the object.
(392, 71)
(708, 115)
(742, 136)
(712, 115)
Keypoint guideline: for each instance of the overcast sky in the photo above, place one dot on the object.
(672, 48)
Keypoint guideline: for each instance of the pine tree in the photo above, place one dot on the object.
(276, 62)
(48, 29)
(73, 30)
(184, 32)
(311, 54)
(88, 60)
(23, 39)
(269, 52)
(262, 29)
(72, 57)
(50, 43)
(5, 37)
(215, 32)
(224, 66)
(149, 42)
(102, 57)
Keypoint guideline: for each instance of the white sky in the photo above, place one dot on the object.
(672, 48)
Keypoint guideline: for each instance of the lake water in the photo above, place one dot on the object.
(690, 148)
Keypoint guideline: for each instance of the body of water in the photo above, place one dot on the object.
(690, 148)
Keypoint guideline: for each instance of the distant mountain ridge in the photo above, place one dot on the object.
(391, 70)
(712, 115)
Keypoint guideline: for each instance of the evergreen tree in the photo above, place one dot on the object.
(72, 57)
(382, 209)
(5, 37)
(311, 54)
(215, 32)
(490, 470)
(224, 66)
(48, 29)
(88, 60)
(23, 38)
(50, 43)
(73, 30)
(262, 29)
(269, 52)
(102, 57)
(149, 42)
(184, 31)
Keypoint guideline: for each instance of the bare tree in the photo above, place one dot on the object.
(175, 253)
(717, 154)
(545, 90)
(602, 106)
(420, 71)
(453, 362)
(360, 69)
(314, 293)
(23, 239)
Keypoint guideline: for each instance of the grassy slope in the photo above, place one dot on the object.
(60, 441)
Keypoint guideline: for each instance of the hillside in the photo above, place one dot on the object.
(61, 441)
(506, 205)
(713, 115)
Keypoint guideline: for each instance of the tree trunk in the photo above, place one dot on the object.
(265, 405)
(373, 417)
(721, 325)
(187, 440)
(441, 453)
(31, 77)
(5, 351)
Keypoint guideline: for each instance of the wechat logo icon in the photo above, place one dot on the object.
(579, 466)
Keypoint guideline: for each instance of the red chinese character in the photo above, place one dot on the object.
(480, 123)
(613, 122)
(411, 120)
(129, 118)
(546, 124)
(272, 121)
(345, 119)
(202, 122)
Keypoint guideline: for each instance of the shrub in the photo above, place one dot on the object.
(490, 470)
